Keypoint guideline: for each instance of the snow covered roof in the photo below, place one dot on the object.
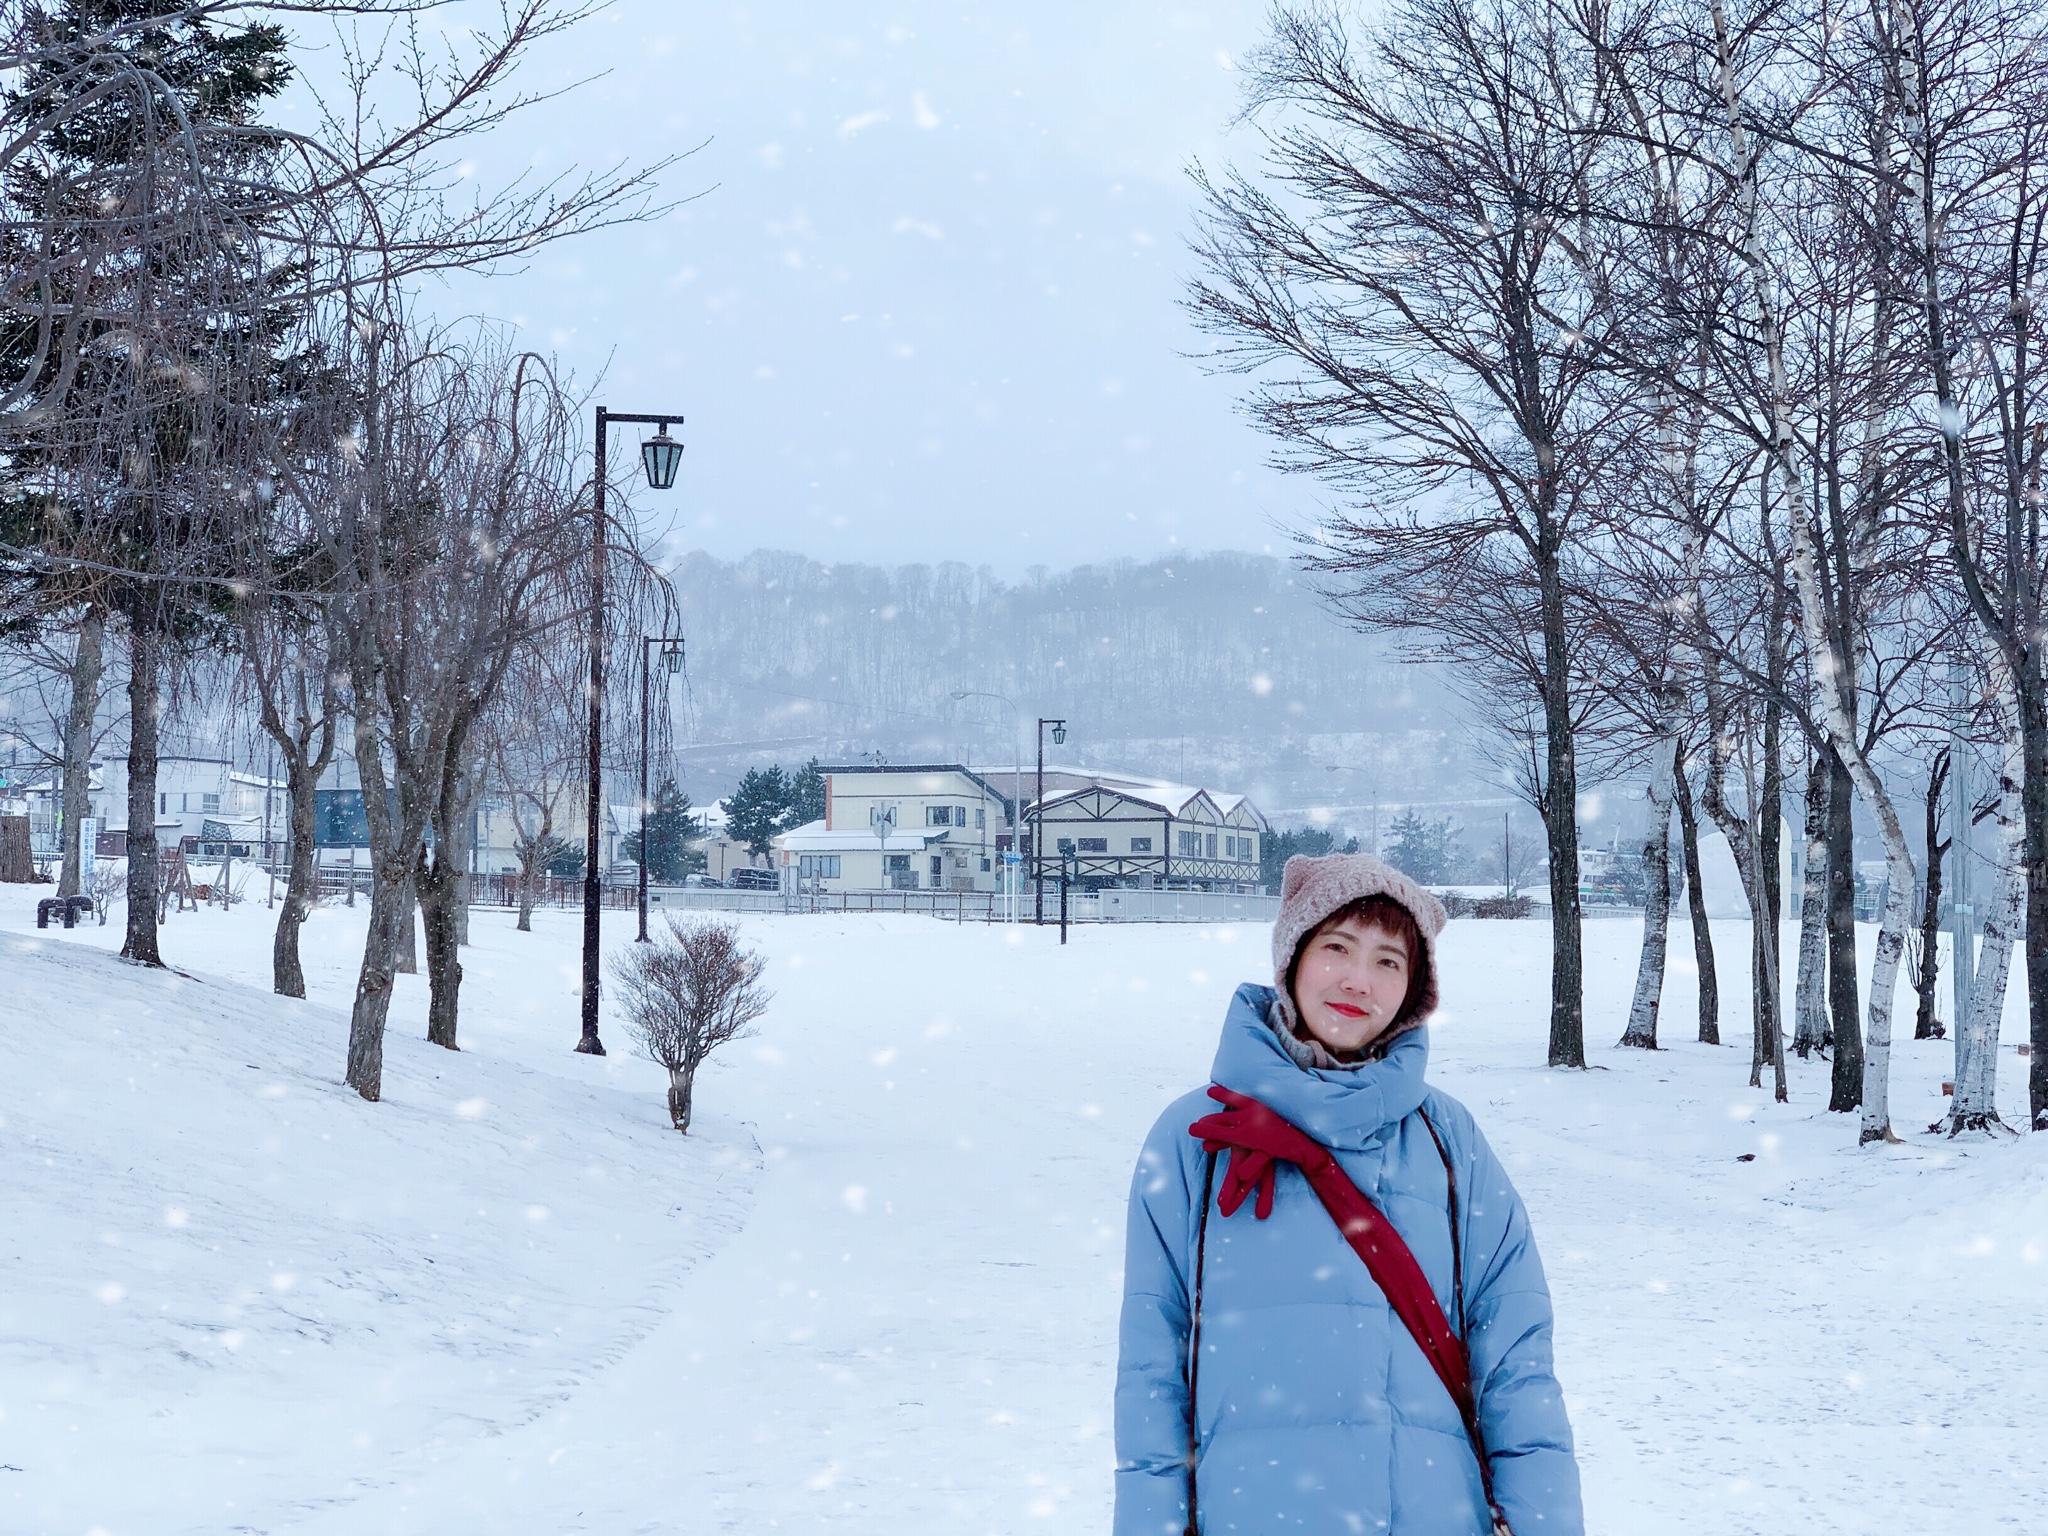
(812, 837)
(1169, 797)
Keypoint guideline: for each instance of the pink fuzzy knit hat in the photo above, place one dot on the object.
(1312, 890)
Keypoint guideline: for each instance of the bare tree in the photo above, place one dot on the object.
(452, 530)
(1395, 283)
(288, 647)
(534, 745)
(687, 994)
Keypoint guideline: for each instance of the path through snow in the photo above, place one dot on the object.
(913, 1330)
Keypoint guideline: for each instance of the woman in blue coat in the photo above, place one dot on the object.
(1315, 1410)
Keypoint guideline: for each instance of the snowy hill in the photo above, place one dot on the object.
(232, 1281)
(509, 1300)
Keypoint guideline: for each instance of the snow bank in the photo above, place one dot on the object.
(234, 1291)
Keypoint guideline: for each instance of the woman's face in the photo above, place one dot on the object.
(1351, 980)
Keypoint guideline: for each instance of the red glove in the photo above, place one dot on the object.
(1256, 1138)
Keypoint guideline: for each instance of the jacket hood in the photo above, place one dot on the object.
(1344, 1109)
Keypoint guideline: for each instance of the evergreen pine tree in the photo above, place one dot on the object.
(758, 809)
(668, 835)
(806, 795)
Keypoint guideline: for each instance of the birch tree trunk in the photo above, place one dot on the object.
(87, 667)
(1844, 1007)
(1891, 936)
(1830, 686)
(1767, 1046)
(1974, 1106)
(1810, 1003)
(1642, 1014)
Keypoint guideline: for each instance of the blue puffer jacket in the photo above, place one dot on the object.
(1317, 1411)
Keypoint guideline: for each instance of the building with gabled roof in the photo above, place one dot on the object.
(1120, 829)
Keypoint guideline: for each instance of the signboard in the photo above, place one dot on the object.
(88, 836)
(339, 820)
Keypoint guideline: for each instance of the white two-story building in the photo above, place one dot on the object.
(923, 827)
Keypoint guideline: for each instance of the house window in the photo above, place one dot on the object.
(1066, 845)
(1141, 845)
(1094, 845)
(1212, 845)
(938, 871)
(984, 866)
(1247, 847)
(163, 804)
(1190, 844)
(209, 802)
(819, 866)
(981, 818)
(945, 815)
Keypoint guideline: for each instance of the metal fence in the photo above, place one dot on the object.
(1110, 906)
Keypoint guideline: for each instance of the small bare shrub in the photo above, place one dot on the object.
(1503, 906)
(106, 879)
(686, 994)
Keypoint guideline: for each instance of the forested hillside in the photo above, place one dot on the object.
(1218, 668)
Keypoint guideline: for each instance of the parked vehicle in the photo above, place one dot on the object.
(755, 880)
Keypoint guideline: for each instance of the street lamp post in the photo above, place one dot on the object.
(660, 455)
(1059, 736)
(672, 663)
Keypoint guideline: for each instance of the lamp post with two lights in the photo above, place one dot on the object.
(659, 455)
(671, 664)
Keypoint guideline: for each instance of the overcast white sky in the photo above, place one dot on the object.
(926, 306)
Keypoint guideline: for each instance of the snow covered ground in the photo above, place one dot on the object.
(876, 1290)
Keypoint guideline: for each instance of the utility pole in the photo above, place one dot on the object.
(1059, 736)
